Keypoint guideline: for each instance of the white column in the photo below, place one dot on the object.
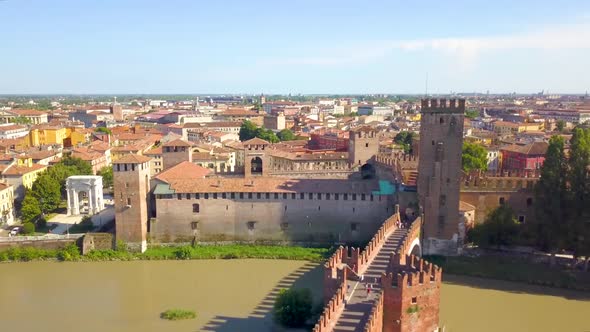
(76, 207)
(70, 199)
(91, 204)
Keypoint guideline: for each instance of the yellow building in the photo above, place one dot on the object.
(49, 134)
(6, 204)
(504, 127)
(22, 175)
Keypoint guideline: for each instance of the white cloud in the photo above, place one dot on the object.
(556, 37)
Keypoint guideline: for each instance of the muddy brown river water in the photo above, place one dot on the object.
(237, 295)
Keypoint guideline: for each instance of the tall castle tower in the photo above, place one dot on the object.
(363, 145)
(131, 177)
(175, 152)
(439, 174)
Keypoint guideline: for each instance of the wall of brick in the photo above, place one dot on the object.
(277, 219)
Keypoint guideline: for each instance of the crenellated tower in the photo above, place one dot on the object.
(131, 185)
(439, 174)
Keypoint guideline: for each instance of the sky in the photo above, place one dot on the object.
(294, 46)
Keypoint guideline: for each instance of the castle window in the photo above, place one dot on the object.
(197, 196)
(521, 218)
(241, 195)
(258, 195)
(126, 184)
(206, 195)
(353, 210)
(336, 196)
(354, 227)
(302, 196)
(133, 167)
(366, 145)
(310, 196)
(232, 195)
(223, 195)
(276, 195)
(249, 195)
(414, 300)
(501, 200)
(194, 225)
(293, 196)
(188, 196)
(284, 196)
(195, 208)
(441, 120)
(320, 196)
(363, 197)
(267, 195)
(328, 196)
(354, 197)
(319, 208)
(250, 225)
(529, 202)
(179, 196)
(125, 166)
(129, 201)
(443, 200)
(345, 197)
(214, 195)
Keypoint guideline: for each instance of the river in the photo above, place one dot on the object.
(237, 295)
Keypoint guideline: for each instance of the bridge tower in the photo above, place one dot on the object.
(439, 174)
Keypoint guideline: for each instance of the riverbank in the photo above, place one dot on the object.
(234, 251)
(511, 268)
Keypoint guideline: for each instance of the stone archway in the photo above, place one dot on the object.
(256, 165)
(415, 248)
(89, 184)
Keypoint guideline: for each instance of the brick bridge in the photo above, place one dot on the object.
(401, 285)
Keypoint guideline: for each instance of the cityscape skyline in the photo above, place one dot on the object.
(182, 47)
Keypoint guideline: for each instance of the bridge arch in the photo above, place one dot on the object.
(414, 248)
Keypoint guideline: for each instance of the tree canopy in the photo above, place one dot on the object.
(107, 176)
(405, 139)
(30, 209)
(293, 307)
(474, 157)
(500, 228)
(249, 130)
(471, 114)
(286, 135)
(103, 130)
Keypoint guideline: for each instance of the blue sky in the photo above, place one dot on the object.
(173, 46)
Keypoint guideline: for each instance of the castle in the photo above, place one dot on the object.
(185, 203)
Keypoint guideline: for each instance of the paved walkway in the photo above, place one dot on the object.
(359, 304)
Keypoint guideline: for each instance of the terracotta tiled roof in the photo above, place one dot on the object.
(535, 148)
(12, 127)
(132, 159)
(279, 185)
(177, 142)
(255, 141)
(20, 170)
(183, 171)
(27, 112)
(4, 186)
(152, 152)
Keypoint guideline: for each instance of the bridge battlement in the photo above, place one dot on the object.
(334, 305)
(410, 270)
(504, 183)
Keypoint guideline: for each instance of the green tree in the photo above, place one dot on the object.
(560, 125)
(47, 191)
(107, 176)
(30, 209)
(551, 198)
(81, 167)
(405, 139)
(286, 135)
(579, 185)
(21, 120)
(471, 114)
(267, 135)
(28, 228)
(475, 157)
(103, 130)
(247, 131)
(499, 229)
(293, 307)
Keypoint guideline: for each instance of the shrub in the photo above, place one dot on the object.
(69, 253)
(177, 314)
(121, 246)
(28, 228)
(184, 252)
(293, 307)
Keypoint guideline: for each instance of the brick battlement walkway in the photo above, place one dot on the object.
(358, 307)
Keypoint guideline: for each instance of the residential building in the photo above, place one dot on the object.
(22, 175)
(13, 131)
(6, 204)
(32, 116)
(522, 158)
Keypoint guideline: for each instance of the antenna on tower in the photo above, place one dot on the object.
(115, 102)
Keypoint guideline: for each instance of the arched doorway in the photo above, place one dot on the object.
(256, 165)
(368, 171)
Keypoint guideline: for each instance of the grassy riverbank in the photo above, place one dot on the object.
(513, 269)
(235, 251)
